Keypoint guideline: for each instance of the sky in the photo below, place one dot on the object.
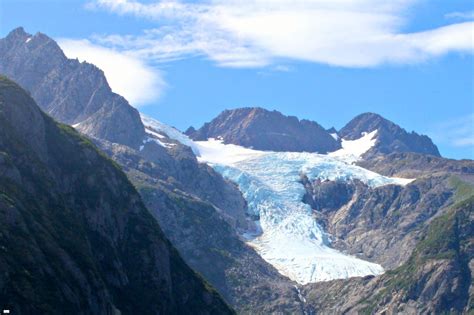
(183, 62)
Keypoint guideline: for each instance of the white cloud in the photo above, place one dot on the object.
(127, 75)
(255, 33)
(457, 132)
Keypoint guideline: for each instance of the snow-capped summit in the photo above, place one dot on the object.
(390, 137)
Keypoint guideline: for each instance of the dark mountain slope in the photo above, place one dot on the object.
(261, 129)
(390, 137)
(76, 237)
(71, 92)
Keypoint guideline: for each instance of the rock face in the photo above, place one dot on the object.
(421, 233)
(436, 279)
(380, 224)
(261, 129)
(76, 236)
(71, 92)
(390, 137)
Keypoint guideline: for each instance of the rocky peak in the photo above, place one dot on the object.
(262, 129)
(390, 137)
(366, 122)
(17, 34)
(71, 92)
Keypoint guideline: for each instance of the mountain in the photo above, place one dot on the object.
(71, 92)
(177, 190)
(76, 236)
(420, 233)
(390, 137)
(261, 129)
(436, 279)
(238, 216)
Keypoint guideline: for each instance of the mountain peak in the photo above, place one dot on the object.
(262, 129)
(71, 92)
(365, 122)
(18, 32)
(390, 136)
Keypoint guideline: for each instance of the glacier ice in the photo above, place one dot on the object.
(290, 238)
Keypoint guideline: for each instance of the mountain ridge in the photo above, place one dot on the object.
(71, 92)
(262, 129)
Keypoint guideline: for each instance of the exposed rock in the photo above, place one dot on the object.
(76, 237)
(390, 137)
(436, 279)
(261, 129)
(71, 92)
(380, 224)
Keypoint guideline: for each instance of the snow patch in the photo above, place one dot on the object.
(173, 133)
(28, 40)
(335, 136)
(352, 150)
(214, 151)
(157, 141)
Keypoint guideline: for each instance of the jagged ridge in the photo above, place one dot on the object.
(71, 92)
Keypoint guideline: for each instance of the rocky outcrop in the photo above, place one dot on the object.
(390, 137)
(422, 234)
(76, 236)
(436, 279)
(71, 92)
(261, 129)
(380, 224)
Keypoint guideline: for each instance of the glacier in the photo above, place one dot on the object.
(288, 237)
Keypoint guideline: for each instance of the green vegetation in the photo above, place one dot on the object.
(463, 190)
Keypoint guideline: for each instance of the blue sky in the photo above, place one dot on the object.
(184, 62)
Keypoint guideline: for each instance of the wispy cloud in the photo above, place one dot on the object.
(467, 15)
(458, 132)
(256, 33)
(126, 74)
